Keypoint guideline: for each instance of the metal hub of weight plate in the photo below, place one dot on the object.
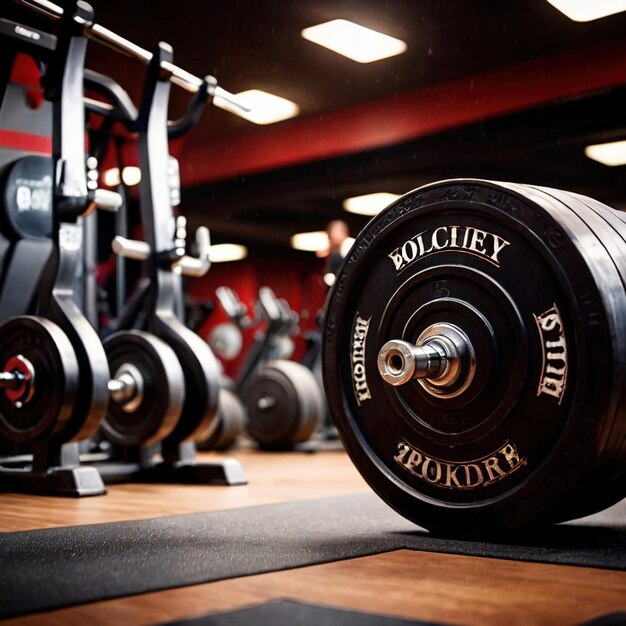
(148, 389)
(532, 287)
(39, 379)
(284, 404)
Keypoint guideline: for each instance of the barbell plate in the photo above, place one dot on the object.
(231, 423)
(604, 485)
(507, 270)
(56, 379)
(284, 404)
(613, 432)
(201, 371)
(161, 394)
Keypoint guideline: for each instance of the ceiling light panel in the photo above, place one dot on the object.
(369, 204)
(354, 41)
(612, 154)
(310, 242)
(588, 10)
(265, 108)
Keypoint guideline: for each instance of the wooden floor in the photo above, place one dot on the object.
(449, 589)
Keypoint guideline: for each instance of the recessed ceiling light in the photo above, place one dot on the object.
(587, 10)
(310, 242)
(265, 108)
(225, 252)
(131, 175)
(612, 154)
(369, 204)
(354, 41)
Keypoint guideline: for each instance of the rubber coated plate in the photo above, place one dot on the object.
(160, 394)
(505, 270)
(284, 404)
(231, 423)
(55, 379)
(199, 415)
(605, 485)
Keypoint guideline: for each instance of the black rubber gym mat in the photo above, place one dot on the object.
(46, 569)
(296, 613)
(611, 619)
(292, 613)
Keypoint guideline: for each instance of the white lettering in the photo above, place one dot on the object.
(463, 238)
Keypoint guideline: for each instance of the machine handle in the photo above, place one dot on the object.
(131, 248)
(196, 266)
(106, 200)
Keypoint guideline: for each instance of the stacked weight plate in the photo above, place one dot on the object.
(533, 428)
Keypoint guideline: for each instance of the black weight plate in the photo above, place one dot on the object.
(284, 404)
(90, 405)
(611, 277)
(159, 403)
(605, 484)
(45, 346)
(231, 423)
(199, 415)
(617, 220)
(27, 197)
(501, 267)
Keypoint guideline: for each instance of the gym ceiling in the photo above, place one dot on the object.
(501, 90)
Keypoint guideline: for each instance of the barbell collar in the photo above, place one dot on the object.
(442, 360)
(400, 361)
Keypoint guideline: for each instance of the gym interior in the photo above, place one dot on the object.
(310, 312)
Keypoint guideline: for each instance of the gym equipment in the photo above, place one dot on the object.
(313, 360)
(283, 404)
(165, 251)
(58, 346)
(89, 29)
(474, 355)
(231, 422)
(283, 401)
(147, 392)
(226, 341)
(25, 231)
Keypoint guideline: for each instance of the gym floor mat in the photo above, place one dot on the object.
(292, 613)
(51, 568)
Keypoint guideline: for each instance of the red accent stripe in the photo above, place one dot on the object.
(408, 115)
(14, 140)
